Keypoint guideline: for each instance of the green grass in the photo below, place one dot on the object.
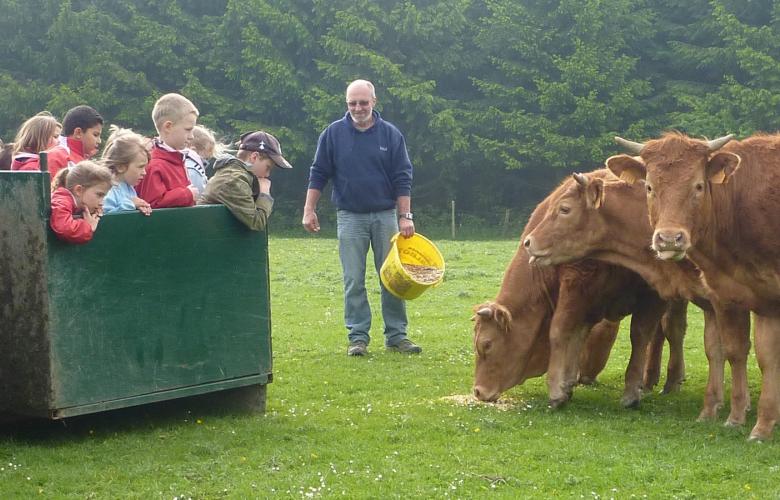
(381, 427)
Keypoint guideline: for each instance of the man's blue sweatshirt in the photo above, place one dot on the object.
(369, 169)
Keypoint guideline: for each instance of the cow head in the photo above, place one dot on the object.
(679, 173)
(573, 208)
(508, 350)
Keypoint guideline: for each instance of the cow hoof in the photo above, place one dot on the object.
(732, 423)
(670, 388)
(587, 380)
(760, 433)
(630, 403)
(558, 402)
(708, 414)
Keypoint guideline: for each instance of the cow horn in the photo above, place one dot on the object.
(485, 312)
(581, 179)
(630, 146)
(716, 144)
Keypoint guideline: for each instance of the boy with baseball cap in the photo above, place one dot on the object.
(241, 182)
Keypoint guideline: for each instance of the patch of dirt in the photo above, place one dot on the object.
(501, 404)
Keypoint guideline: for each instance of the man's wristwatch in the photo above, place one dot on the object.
(407, 215)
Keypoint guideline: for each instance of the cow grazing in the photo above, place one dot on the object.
(541, 317)
(597, 216)
(716, 203)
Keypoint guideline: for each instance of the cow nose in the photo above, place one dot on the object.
(670, 239)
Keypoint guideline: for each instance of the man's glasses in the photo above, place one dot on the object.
(352, 104)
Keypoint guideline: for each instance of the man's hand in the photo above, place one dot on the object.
(310, 221)
(406, 227)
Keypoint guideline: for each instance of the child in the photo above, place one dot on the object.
(166, 183)
(126, 157)
(79, 189)
(80, 138)
(37, 134)
(202, 147)
(242, 183)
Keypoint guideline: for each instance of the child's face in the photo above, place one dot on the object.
(135, 171)
(178, 135)
(261, 165)
(90, 138)
(91, 198)
(55, 138)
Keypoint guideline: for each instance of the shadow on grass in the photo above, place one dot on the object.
(141, 418)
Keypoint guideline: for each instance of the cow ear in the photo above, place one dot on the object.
(628, 168)
(722, 166)
(595, 193)
(503, 317)
(593, 190)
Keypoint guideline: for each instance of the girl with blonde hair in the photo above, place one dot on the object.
(126, 156)
(203, 147)
(37, 134)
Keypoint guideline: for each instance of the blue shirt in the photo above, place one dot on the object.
(196, 172)
(369, 169)
(120, 198)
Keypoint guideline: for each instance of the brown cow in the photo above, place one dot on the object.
(718, 206)
(541, 317)
(597, 216)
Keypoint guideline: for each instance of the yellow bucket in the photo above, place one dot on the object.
(421, 256)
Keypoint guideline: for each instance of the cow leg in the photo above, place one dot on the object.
(644, 323)
(655, 352)
(674, 324)
(567, 333)
(713, 395)
(768, 354)
(734, 327)
(595, 354)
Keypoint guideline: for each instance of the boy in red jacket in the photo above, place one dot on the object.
(166, 184)
(79, 141)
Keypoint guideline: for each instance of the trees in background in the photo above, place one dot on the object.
(497, 98)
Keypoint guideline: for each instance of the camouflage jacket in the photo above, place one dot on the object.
(235, 187)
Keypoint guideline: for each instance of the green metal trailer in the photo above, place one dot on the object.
(153, 308)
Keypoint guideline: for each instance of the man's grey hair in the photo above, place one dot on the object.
(364, 83)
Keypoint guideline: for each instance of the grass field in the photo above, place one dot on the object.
(387, 426)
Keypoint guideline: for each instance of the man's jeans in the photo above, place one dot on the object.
(356, 231)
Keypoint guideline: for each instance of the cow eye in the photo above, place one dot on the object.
(564, 209)
(486, 346)
(649, 189)
(699, 187)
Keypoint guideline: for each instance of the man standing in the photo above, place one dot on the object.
(367, 161)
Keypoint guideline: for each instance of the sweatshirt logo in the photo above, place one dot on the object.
(382, 148)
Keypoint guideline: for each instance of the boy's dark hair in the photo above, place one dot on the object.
(82, 117)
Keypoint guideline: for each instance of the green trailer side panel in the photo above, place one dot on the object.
(174, 303)
(176, 284)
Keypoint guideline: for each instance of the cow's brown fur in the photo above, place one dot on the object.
(551, 311)
(730, 229)
(619, 232)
